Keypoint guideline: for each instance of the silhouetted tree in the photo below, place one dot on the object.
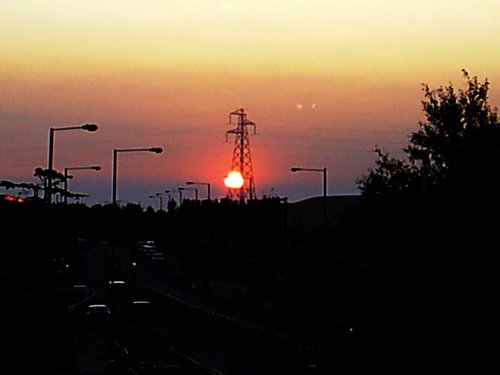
(430, 222)
(456, 149)
(44, 174)
(21, 185)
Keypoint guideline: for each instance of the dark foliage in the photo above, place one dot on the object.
(429, 224)
(455, 152)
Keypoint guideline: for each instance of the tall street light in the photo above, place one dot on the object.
(156, 150)
(176, 191)
(194, 189)
(201, 183)
(323, 170)
(87, 127)
(160, 196)
(66, 177)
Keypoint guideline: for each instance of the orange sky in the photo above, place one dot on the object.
(325, 81)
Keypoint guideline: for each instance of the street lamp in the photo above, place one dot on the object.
(66, 177)
(156, 150)
(87, 127)
(195, 191)
(160, 196)
(176, 191)
(323, 170)
(170, 196)
(201, 183)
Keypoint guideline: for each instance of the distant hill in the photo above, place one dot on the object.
(310, 211)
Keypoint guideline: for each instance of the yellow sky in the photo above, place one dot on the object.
(315, 70)
(311, 37)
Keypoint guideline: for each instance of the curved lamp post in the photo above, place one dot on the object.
(87, 127)
(323, 170)
(66, 177)
(194, 189)
(160, 197)
(156, 150)
(201, 183)
(176, 191)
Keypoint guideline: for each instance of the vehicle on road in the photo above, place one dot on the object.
(79, 292)
(148, 246)
(141, 312)
(116, 291)
(154, 254)
(158, 258)
(98, 317)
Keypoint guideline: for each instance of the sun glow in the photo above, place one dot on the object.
(234, 180)
(326, 80)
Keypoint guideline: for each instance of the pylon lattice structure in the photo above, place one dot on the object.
(242, 157)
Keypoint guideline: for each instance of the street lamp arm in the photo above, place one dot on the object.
(93, 167)
(147, 149)
(88, 127)
(298, 169)
(197, 183)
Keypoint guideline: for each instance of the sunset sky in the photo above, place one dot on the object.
(324, 80)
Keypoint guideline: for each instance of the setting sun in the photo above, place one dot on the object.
(234, 180)
(325, 81)
(188, 191)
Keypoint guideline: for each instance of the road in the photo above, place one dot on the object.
(180, 337)
(146, 353)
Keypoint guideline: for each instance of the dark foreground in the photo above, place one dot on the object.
(287, 299)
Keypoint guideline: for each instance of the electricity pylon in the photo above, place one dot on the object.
(242, 157)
